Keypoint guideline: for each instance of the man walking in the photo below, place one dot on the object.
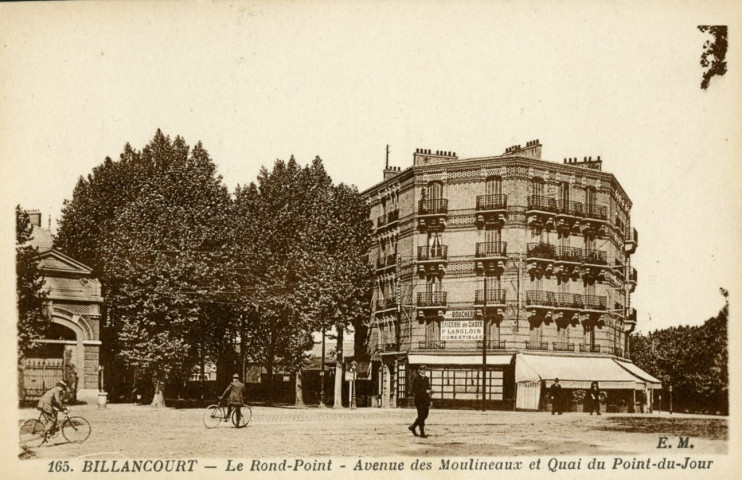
(421, 391)
(594, 398)
(556, 397)
(236, 392)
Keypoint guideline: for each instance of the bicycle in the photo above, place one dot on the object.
(217, 413)
(74, 429)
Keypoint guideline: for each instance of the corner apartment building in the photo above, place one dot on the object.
(522, 261)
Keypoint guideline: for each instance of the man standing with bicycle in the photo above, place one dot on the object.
(236, 392)
(51, 403)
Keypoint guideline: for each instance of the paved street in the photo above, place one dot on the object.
(144, 432)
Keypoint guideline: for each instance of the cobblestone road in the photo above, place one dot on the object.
(144, 432)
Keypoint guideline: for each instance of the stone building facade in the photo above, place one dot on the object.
(71, 348)
(551, 241)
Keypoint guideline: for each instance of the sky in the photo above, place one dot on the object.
(259, 81)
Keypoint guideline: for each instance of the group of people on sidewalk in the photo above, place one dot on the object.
(592, 400)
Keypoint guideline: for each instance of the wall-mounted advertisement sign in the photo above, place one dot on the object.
(459, 325)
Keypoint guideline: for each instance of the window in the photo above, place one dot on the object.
(564, 193)
(493, 186)
(537, 186)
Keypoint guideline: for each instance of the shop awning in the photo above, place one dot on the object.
(573, 372)
(647, 379)
(435, 359)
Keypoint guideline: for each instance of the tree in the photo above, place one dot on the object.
(33, 316)
(270, 218)
(155, 226)
(336, 288)
(694, 360)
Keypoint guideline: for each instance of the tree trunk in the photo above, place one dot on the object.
(299, 398)
(339, 371)
(159, 398)
(269, 377)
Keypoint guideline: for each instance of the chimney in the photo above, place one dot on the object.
(34, 216)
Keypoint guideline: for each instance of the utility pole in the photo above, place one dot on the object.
(484, 343)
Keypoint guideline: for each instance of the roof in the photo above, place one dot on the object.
(573, 371)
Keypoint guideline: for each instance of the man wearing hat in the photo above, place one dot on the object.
(236, 392)
(421, 391)
(51, 403)
(556, 397)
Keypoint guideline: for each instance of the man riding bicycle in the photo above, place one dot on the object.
(236, 392)
(51, 403)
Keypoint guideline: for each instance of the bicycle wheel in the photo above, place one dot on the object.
(31, 433)
(213, 416)
(245, 417)
(76, 429)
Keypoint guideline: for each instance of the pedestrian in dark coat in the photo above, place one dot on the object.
(236, 393)
(556, 397)
(593, 398)
(421, 391)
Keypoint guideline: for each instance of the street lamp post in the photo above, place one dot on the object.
(670, 399)
(353, 370)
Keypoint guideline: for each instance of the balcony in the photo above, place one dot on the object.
(432, 260)
(537, 345)
(431, 300)
(542, 204)
(633, 277)
(431, 345)
(387, 222)
(385, 304)
(491, 257)
(388, 347)
(632, 241)
(595, 302)
(432, 214)
(538, 298)
(563, 347)
(589, 348)
(570, 301)
(569, 208)
(491, 210)
(494, 297)
(630, 315)
(596, 212)
(383, 264)
(492, 344)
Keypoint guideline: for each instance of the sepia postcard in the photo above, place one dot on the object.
(324, 239)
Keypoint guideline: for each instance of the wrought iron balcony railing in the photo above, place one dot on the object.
(435, 299)
(589, 348)
(380, 221)
(494, 297)
(539, 297)
(599, 212)
(595, 302)
(568, 300)
(493, 344)
(492, 202)
(434, 206)
(567, 207)
(537, 345)
(393, 216)
(385, 303)
(566, 254)
(492, 249)
(563, 346)
(538, 202)
(437, 252)
(431, 345)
